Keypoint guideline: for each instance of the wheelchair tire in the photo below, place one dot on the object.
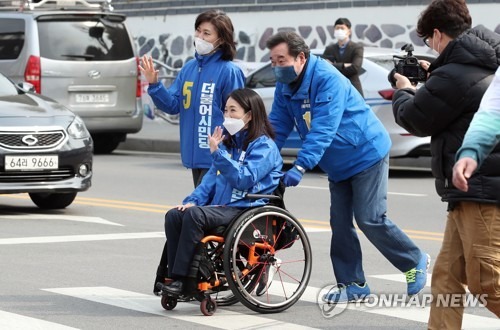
(168, 303)
(250, 241)
(208, 306)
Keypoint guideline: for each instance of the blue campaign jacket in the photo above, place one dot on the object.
(235, 172)
(199, 95)
(340, 132)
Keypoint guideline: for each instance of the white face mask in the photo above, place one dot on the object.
(340, 34)
(233, 125)
(437, 52)
(202, 47)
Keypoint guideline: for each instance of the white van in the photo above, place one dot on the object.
(81, 54)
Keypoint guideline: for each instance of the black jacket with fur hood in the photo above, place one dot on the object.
(444, 106)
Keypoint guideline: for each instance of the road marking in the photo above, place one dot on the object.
(389, 193)
(142, 235)
(311, 229)
(35, 216)
(188, 312)
(79, 238)
(399, 278)
(413, 313)
(226, 319)
(98, 237)
(323, 226)
(13, 321)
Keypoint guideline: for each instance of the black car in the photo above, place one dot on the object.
(45, 149)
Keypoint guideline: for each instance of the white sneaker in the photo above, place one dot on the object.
(267, 277)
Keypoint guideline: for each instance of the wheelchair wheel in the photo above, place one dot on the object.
(208, 306)
(168, 303)
(275, 251)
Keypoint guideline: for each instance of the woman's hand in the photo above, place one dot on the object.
(184, 207)
(215, 139)
(148, 69)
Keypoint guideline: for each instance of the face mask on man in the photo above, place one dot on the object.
(340, 34)
(438, 50)
(203, 47)
(233, 125)
(285, 74)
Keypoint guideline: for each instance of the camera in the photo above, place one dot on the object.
(407, 66)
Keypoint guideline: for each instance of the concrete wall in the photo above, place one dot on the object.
(169, 38)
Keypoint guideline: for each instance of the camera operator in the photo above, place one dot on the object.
(443, 108)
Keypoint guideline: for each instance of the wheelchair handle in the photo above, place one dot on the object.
(259, 196)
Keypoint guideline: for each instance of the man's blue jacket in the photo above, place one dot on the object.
(236, 172)
(199, 94)
(340, 132)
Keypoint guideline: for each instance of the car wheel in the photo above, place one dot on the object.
(52, 200)
(106, 143)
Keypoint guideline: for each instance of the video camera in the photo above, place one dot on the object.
(407, 66)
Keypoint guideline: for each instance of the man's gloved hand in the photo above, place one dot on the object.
(292, 177)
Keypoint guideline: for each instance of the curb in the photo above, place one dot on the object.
(151, 145)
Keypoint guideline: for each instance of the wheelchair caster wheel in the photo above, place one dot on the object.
(168, 303)
(208, 306)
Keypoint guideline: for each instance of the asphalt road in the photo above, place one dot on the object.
(92, 265)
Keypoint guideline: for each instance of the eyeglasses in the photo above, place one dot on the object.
(426, 41)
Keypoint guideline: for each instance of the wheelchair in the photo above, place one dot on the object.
(232, 262)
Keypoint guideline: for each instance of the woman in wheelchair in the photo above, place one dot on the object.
(245, 160)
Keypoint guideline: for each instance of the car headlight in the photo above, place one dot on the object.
(77, 129)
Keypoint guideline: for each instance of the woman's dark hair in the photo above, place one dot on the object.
(451, 17)
(296, 44)
(249, 100)
(224, 28)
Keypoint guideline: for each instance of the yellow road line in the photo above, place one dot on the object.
(112, 201)
(162, 209)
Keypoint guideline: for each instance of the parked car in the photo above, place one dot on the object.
(80, 54)
(45, 149)
(378, 95)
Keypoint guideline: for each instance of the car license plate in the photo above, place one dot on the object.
(92, 98)
(31, 163)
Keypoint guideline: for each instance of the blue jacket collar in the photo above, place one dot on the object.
(303, 90)
(238, 138)
(204, 59)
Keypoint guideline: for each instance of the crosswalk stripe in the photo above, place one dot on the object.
(13, 321)
(98, 237)
(399, 278)
(419, 314)
(79, 238)
(39, 217)
(225, 319)
(222, 319)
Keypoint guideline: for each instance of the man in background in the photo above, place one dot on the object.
(346, 55)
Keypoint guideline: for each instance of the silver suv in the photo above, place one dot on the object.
(81, 55)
